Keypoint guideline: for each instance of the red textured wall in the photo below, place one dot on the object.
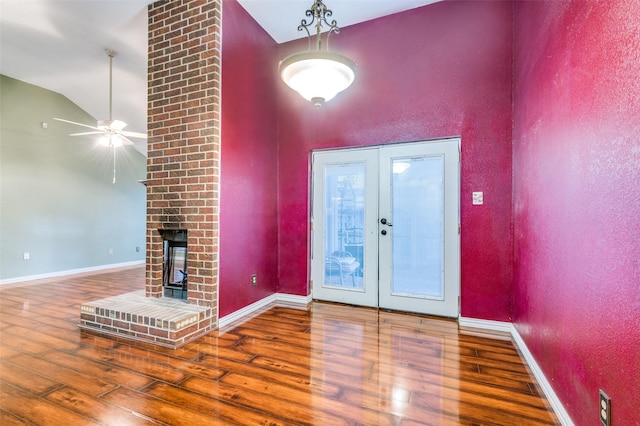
(248, 209)
(577, 200)
(436, 71)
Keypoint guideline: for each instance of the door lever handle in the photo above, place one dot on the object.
(385, 222)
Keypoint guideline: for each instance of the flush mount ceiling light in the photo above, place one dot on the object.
(318, 74)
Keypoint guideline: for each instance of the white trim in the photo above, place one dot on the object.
(276, 299)
(508, 327)
(553, 399)
(293, 300)
(70, 272)
(505, 327)
(246, 311)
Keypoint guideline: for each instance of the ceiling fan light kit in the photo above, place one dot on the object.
(105, 125)
(111, 141)
(112, 131)
(318, 74)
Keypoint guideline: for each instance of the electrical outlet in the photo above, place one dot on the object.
(137, 249)
(254, 280)
(26, 255)
(605, 409)
(110, 251)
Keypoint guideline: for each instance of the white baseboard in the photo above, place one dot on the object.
(505, 327)
(248, 312)
(553, 399)
(70, 272)
(292, 300)
(508, 327)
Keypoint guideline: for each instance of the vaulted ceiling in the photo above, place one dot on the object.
(59, 45)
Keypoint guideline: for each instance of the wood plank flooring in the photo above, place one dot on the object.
(329, 365)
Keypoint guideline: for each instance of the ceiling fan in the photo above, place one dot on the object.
(112, 131)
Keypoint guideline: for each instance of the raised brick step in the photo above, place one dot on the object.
(166, 322)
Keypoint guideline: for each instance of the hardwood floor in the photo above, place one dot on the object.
(330, 365)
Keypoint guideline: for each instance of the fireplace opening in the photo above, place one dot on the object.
(174, 275)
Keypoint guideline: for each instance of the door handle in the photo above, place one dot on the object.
(385, 222)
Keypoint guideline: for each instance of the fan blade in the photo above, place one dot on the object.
(134, 135)
(77, 124)
(86, 133)
(117, 124)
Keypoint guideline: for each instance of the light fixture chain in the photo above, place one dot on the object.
(114, 162)
(318, 14)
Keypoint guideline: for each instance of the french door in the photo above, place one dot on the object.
(386, 227)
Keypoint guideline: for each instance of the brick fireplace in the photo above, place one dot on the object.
(182, 179)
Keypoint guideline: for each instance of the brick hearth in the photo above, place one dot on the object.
(161, 321)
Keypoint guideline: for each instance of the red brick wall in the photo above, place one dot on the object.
(184, 140)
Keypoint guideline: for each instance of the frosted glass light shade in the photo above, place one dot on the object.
(318, 75)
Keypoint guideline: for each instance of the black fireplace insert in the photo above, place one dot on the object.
(174, 276)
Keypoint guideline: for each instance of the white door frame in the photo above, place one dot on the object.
(446, 151)
(367, 295)
(376, 281)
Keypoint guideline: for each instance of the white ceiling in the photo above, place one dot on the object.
(280, 18)
(59, 45)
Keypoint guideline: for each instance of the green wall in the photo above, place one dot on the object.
(57, 200)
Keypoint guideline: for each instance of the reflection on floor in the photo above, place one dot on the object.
(328, 365)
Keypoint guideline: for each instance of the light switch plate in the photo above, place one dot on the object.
(477, 198)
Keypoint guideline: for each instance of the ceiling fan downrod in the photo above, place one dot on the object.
(110, 53)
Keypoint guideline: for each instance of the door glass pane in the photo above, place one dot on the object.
(343, 225)
(418, 237)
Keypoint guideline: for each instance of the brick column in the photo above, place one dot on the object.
(184, 140)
